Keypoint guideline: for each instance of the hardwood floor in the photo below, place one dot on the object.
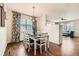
(69, 47)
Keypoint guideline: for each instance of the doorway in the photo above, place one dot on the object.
(68, 29)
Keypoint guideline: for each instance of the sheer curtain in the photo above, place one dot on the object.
(30, 24)
(27, 24)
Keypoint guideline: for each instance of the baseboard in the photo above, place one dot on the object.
(5, 49)
(76, 36)
(14, 42)
(56, 43)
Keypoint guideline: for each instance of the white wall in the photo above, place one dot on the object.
(5, 33)
(51, 28)
(76, 28)
(3, 40)
(53, 31)
(41, 23)
(9, 23)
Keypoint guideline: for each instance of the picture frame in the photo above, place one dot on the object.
(2, 17)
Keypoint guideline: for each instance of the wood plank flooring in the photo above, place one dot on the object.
(69, 47)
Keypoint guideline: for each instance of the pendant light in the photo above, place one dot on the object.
(33, 14)
(34, 21)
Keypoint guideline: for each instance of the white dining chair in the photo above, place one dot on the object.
(27, 41)
(42, 42)
(46, 37)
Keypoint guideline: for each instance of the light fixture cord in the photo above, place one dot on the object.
(33, 11)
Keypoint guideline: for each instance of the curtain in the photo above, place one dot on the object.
(16, 27)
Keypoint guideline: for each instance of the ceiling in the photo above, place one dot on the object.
(41, 8)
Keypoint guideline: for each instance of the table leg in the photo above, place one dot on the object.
(34, 47)
(48, 44)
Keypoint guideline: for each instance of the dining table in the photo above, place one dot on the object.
(35, 39)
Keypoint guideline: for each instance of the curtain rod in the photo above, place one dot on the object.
(24, 14)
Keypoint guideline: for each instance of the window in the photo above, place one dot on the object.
(27, 25)
(68, 27)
